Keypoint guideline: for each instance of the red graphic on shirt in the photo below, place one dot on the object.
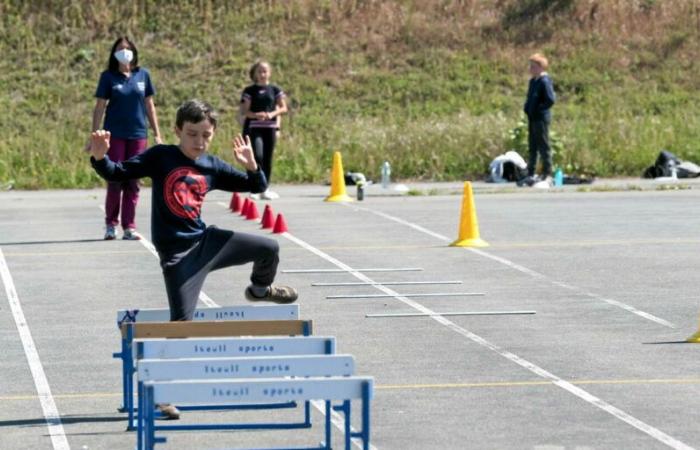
(184, 192)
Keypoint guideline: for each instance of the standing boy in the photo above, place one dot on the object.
(182, 175)
(540, 98)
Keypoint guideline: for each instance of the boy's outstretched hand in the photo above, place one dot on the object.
(99, 143)
(243, 153)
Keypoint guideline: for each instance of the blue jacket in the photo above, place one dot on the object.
(540, 98)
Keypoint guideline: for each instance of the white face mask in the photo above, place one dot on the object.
(124, 56)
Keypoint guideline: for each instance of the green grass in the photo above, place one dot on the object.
(435, 87)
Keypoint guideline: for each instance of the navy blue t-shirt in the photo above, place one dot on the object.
(179, 187)
(262, 99)
(125, 116)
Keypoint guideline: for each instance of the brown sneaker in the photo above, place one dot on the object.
(276, 294)
(168, 411)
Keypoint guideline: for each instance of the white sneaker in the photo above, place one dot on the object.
(269, 195)
(255, 196)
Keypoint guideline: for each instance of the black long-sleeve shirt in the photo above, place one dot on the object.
(179, 187)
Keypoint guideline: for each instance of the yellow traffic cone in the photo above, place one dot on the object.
(338, 182)
(694, 338)
(468, 225)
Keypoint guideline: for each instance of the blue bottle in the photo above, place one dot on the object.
(558, 177)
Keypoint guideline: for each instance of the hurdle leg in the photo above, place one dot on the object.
(146, 416)
(129, 376)
(129, 386)
(122, 355)
(307, 414)
(328, 425)
(139, 411)
(140, 422)
(345, 409)
(364, 434)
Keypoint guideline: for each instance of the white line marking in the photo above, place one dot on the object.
(372, 269)
(578, 392)
(466, 313)
(525, 270)
(48, 405)
(385, 283)
(427, 294)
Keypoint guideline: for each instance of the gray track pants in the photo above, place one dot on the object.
(185, 272)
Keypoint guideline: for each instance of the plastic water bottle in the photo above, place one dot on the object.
(558, 178)
(360, 191)
(386, 174)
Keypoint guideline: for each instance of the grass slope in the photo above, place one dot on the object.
(434, 86)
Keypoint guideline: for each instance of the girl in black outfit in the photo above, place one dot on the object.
(262, 104)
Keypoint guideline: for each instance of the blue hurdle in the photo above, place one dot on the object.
(173, 349)
(131, 331)
(246, 367)
(227, 391)
(243, 312)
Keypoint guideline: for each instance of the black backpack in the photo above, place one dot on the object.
(663, 166)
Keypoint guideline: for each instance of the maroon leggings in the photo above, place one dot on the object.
(123, 195)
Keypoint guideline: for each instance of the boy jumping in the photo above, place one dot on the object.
(182, 175)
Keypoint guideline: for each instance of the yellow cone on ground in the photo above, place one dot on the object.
(338, 193)
(468, 225)
(694, 338)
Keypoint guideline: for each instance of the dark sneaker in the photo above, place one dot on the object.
(276, 294)
(168, 411)
(130, 235)
(110, 233)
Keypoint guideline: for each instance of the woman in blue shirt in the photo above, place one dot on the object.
(125, 99)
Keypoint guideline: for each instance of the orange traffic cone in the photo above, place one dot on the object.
(268, 219)
(280, 225)
(235, 205)
(338, 193)
(468, 225)
(252, 213)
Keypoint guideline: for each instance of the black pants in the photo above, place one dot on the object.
(185, 272)
(538, 143)
(263, 141)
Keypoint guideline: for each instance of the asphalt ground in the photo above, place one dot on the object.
(611, 275)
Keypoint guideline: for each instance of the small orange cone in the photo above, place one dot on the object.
(338, 193)
(252, 213)
(235, 205)
(280, 225)
(468, 225)
(244, 208)
(268, 219)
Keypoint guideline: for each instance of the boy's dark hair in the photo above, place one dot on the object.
(113, 64)
(195, 111)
